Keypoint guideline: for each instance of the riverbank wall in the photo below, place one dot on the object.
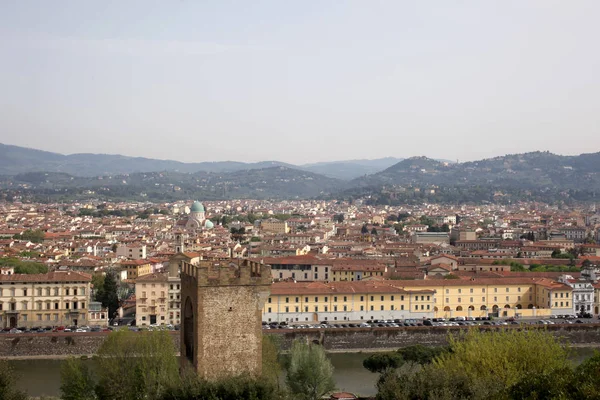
(61, 345)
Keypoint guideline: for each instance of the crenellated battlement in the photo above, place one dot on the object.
(227, 272)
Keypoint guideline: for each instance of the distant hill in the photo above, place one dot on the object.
(350, 169)
(524, 171)
(16, 160)
(539, 176)
(264, 183)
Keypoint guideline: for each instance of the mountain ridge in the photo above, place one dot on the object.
(17, 159)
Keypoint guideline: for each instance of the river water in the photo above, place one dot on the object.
(42, 377)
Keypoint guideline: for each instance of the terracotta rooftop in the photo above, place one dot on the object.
(56, 276)
(153, 278)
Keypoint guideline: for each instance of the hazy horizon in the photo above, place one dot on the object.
(300, 82)
(300, 164)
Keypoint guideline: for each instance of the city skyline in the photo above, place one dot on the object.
(300, 83)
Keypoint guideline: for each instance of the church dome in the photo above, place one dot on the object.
(197, 207)
(208, 224)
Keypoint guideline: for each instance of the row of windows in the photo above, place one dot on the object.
(43, 305)
(43, 292)
(162, 295)
(471, 290)
(345, 308)
(561, 304)
(305, 276)
(162, 285)
(483, 299)
(162, 318)
(43, 317)
(362, 298)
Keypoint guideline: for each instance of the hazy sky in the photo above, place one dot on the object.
(300, 81)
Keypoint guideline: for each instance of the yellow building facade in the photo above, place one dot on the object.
(356, 272)
(136, 268)
(57, 298)
(416, 299)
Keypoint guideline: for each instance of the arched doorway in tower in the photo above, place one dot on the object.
(12, 322)
(188, 326)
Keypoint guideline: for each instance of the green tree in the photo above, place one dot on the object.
(251, 217)
(309, 373)
(30, 268)
(110, 298)
(35, 236)
(339, 218)
(484, 355)
(403, 216)
(271, 365)
(8, 382)
(380, 362)
(480, 365)
(586, 384)
(231, 388)
(133, 366)
(374, 231)
(364, 230)
(555, 385)
(76, 381)
(98, 287)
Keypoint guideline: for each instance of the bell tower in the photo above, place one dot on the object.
(222, 302)
(179, 243)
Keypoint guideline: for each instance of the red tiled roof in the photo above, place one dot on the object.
(153, 278)
(56, 276)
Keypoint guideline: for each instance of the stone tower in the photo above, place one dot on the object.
(222, 302)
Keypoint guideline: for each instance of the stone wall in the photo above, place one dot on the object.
(55, 345)
(366, 339)
(68, 344)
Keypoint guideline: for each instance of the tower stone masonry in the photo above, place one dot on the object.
(222, 302)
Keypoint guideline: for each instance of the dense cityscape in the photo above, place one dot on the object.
(330, 261)
(283, 200)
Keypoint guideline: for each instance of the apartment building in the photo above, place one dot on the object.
(274, 225)
(53, 299)
(355, 272)
(151, 293)
(132, 251)
(136, 268)
(299, 268)
(158, 297)
(574, 233)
